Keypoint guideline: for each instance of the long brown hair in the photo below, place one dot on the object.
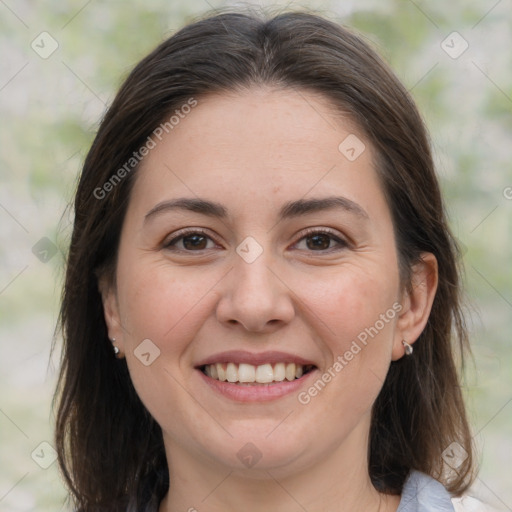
(110, 449)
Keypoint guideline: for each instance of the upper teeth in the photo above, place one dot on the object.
(249, 373)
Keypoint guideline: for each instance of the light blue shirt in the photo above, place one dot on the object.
(421, 493)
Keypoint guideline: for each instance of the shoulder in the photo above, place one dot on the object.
(422, 493)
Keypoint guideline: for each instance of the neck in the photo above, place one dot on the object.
(336, 482)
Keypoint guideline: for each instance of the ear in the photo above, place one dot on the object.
(111, 312)
(416, 303)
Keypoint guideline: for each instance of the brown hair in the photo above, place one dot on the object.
(110, 449)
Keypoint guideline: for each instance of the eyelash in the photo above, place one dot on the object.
(342, 244)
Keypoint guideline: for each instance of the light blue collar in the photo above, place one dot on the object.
(421, 493)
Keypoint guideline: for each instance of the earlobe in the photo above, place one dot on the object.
(111, 314)
(416, 304)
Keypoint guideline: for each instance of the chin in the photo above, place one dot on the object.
(254, 454)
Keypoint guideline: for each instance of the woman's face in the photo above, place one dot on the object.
(258, 237)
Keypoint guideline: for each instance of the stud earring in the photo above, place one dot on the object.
(408, 348)
(116, 349)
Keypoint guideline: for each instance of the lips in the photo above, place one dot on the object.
(256, 359)
(255, 376)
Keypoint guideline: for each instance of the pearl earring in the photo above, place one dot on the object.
(116, 349)
(408, 348)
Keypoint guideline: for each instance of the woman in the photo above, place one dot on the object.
(261, 308)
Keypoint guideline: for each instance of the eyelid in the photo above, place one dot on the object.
(313, 230)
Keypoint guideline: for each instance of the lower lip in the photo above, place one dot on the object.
(256, 393)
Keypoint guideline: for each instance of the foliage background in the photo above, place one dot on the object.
(50, 109)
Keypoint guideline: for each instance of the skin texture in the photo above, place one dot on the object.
(253, 151)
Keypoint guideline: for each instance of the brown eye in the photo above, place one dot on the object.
(190, 242)
(318, 242)
(321, 241)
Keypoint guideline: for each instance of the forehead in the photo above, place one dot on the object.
(259, 145)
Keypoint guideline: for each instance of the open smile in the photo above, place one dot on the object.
(246, 382)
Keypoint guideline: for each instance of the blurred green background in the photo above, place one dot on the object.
(50, 107)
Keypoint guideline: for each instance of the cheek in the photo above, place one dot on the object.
(349, 302)
(165, 305)
(357, 313)
(355, 318)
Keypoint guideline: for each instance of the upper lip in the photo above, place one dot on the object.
(256, 359)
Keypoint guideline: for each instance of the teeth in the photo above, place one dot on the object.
(221, 372)
(232, 372)
(279, 372)
(290, 371)
(264, 373)
(248, 373)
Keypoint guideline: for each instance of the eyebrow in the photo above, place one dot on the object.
(289, 210)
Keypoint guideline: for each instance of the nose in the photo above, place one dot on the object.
(255, 297)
